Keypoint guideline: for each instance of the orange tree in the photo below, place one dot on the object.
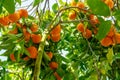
(75, 40)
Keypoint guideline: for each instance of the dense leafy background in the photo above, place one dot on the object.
(78, 57)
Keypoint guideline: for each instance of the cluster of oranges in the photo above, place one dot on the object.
(53, 65)
(20, 28)
(11, 18)
(112, 38)
(85, 32)
(110, 3)
(72, 15)
(77, 4)
(55, 33)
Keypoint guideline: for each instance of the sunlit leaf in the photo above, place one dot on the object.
(98, 7)
(117, 56)
(55, 7)
(103, 29)
(110, 55)
(93, 76)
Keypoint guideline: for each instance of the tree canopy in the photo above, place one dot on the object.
(68, 40)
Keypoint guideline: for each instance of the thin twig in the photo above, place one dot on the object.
(45, 6)
(117, 3)
(48, 5)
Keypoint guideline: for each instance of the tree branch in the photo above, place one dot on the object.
(42, 44)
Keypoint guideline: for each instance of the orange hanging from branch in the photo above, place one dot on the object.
(72, 15)
(14, 17)
(56, 30)
(87, 34)
(50, 54)
(23, 13)
(12, 57)
(80, 27)
(34, 28)
(33, 52)
(55, 37)
(80, 5)
(36, 38)
(110, 3)
(26, 34)
(4, 21)
(53, 65)
(107, 41)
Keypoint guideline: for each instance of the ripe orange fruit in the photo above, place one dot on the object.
(50, 54)
(95, 31)
(36, 38)
(55, 37)
(12, 57)
(107, 41)
(93, 19)
(80, 27)
(117, 38)
(15, 31)
(87, 34)
(33, 51)
(23, 13)
(4, 21)
(26, 34)
(26, 58)
(14, 17)
(57, 76)
(73, 3)
(72, 15)
(80, 5)
(110, 3)
(111, 32)
(53, 65)
(56, 30)
(34, 28)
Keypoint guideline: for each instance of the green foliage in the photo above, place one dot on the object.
(36, 2)
(103, 29)
(78, 57)
(19, 1)
(9, 5)
(55, 7)
(98, 7)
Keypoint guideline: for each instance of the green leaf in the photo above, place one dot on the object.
(61, 2)
(55, 7)
(0, 9)
(117, 15)
(99, 7)
(9, 5)
(117, 56)
(36, 2)
(93, 76)
(19, 1)
(104, 28)
(110, 55)
(1, 2)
